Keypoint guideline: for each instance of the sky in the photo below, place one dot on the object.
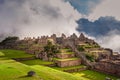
(98, 19)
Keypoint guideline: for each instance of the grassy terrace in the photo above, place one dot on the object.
(15, 54)
(68, 59)
(56, 74)
(37, 62)
(93, 75)
(66, 51)
(12, 70)
(69, 68)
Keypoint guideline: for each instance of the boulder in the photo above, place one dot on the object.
(31, 73)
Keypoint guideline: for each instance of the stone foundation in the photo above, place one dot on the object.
(108, 67)
(68, 63)
(63, 56)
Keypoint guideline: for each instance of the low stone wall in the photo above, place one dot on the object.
(75, 70)
(68, 63)
(108, 67)
(63, 56)
(24, 59)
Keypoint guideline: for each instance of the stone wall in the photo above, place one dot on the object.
(109, 67)
(68, 63)
(63, 56)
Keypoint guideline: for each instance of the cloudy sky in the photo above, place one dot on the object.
(99, 19)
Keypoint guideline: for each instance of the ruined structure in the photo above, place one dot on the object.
(104, 60)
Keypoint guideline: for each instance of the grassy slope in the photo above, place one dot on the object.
(56, 74)
(93, 75)
(37, 62)
(12, 70)
(66, 51)
(68, 59)
(69, 68)
(15, 54)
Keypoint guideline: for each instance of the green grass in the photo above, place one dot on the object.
(15, 53)
(93, 75)
(12, 70)
(68, 53)
(68, 59)
(56, 74)
(37, 62)
(69, 68)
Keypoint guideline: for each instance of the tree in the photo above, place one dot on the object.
(80, 48)
(51, 49)
(9, 42)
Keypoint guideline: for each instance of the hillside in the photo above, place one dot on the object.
(13, 70)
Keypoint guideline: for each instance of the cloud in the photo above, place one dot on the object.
(99, 27)
(111, 40)
(37, 17)
(106, 8)
(85, 6)
(106, 31)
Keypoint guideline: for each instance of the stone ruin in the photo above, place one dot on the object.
(107, 61)
(63, 62)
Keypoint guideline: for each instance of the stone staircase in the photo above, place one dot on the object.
(66, 59)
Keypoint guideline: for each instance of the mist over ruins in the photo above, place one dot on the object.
(59, 40)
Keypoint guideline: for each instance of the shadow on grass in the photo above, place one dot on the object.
(26, 76)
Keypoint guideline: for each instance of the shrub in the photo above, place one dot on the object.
(51, 49)
(90, 57)
(80, 48)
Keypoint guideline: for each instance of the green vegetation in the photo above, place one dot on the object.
(52, 74)
(66, 51)
(91, 46)
(12, 70)
(83, 47)
(37, 62)
(65, 59)
(15, 53)
(69, 68)
(51, 49)
(9, 40)
(80, 48)
(90, 57)
(93, 75)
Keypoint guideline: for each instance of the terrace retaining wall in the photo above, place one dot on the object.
(68, 63)
(63, 56)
